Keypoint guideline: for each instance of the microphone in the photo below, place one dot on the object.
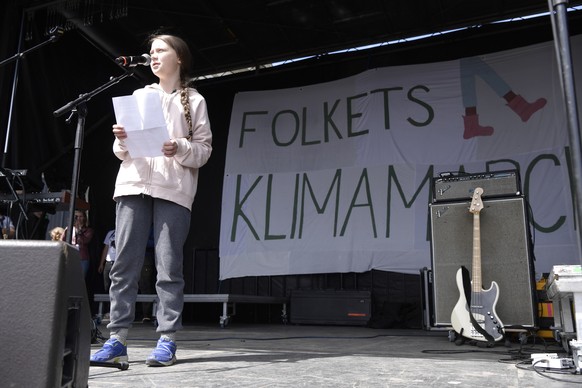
(133, 61)
(56, 33)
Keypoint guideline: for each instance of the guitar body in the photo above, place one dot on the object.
(483, 310)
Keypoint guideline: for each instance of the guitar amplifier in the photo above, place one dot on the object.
(506, 257)
(460, 187)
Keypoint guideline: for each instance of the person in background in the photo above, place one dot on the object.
(57, 233)
(157, 191)
(7, 227)
(82, 236)
(106, 262)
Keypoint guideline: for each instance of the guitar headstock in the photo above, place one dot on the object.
(476, 202)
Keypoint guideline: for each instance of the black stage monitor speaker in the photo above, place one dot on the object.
(330, 307)
(44, 312)
(505, 257)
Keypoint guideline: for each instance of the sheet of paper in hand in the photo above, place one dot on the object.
(141, 115)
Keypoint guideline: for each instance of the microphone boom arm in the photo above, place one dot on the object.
(87, 96)
(55, 34)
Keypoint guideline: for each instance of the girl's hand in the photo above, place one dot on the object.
(170, 148)
(119, 131)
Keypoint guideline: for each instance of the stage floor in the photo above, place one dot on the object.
(277, 355)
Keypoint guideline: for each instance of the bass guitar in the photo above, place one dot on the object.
(474, 316)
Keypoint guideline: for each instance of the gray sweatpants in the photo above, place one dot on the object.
(171, 223)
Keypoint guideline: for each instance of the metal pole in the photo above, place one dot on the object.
(564, 59)
(13, 94)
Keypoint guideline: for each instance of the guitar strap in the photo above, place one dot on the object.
(467, 291)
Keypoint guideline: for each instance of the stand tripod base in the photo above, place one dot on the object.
(118, 365)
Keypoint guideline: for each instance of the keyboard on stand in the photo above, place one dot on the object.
(51, 201)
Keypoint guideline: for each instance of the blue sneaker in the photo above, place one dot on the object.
(164, 354)
(112, 351)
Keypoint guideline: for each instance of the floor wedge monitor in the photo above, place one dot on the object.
(45, 314)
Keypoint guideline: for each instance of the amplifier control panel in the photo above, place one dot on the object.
(460, 187)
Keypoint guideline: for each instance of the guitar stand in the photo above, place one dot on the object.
(460, 340)
(118, 365)
(480, 344)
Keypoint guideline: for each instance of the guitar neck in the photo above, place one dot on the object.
(476, 279)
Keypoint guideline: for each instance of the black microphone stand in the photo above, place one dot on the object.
(79, 107)
(56, 33)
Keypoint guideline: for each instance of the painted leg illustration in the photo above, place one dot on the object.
(473, 67)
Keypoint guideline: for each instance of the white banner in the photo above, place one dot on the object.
(335, 177)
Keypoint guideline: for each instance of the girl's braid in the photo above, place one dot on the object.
(186, 104)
